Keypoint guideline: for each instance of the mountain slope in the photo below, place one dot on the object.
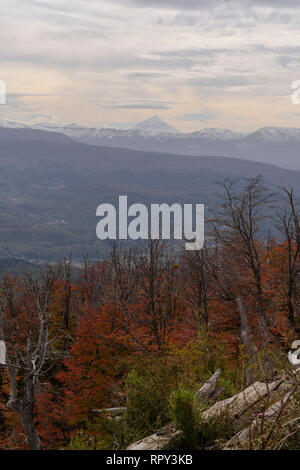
(278, 146)
(49, 190)
(15, 134)
(274, 145)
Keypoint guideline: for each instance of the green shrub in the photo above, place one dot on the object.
(185, 413)
(82, 442)
(197, 433)
(148, 388)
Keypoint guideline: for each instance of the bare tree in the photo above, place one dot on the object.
(197, 276)
(67, 277)
(227, 287)
(156, 270)
(25, 328)
(237, 225)
(287, 221)
(246, 340)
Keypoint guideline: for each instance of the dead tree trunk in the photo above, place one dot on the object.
(246, 340)
(24, 405)
(24, 327)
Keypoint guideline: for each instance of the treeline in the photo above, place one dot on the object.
(130, 329)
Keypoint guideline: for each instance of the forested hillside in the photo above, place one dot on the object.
(105, 358)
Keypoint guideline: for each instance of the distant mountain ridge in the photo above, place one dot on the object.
(212, 133)
(275, 145)
(51, 185)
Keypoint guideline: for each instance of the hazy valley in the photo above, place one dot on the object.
(51, 186)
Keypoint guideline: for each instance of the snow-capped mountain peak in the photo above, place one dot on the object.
(212, 133)
(156, 125)
(275, 134)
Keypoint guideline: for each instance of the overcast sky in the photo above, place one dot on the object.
(195, 63)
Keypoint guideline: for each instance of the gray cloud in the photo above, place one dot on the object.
(139, 106)
(145, 75)
(175, 4)
(191, 52)
(110, 54)
(123, 125)
(26, 95)
(116, 60)
(17, 100)
(208, 4)
(202, 116)
(223, 82)
(288, 62)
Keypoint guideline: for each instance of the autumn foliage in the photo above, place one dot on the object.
(153, 304)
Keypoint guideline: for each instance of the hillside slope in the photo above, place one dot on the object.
(49, 190)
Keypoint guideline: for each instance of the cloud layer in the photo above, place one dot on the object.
(230, 62)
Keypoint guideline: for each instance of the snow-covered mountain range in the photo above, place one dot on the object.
(155, 126)
(277, 145)
(152, 126)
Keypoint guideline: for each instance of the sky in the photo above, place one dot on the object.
(113, 63)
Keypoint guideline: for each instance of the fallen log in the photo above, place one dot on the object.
(269, 417)
(156, 441)
(237, 405)
(113, 411)
(273, 412)
(234, 407)
(209, 388)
